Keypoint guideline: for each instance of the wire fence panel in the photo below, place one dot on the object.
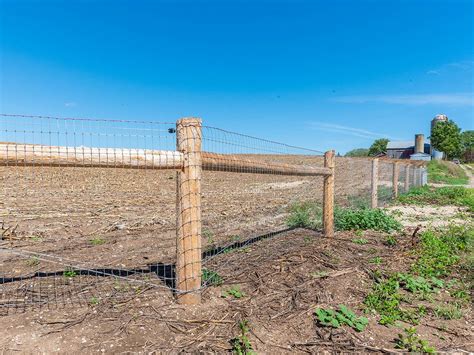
(93, 210)
(81, 233)
(249, 195)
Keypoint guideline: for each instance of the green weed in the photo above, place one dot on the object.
(94, 301)
(360, 241)
(97, 241)
(70, 272)
(391, 241)
(33, 261)
(309, 215)
(410, 341)
(377, 260)
(448, 312)
(241, 345)
(211, 277)
(234, 291)
(338, 318)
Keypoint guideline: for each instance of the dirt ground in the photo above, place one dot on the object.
(121, 223)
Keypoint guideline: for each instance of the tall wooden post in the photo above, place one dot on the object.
(407, 178)
(395, 179)
(375, 183)
(188, 262)
(328, 198)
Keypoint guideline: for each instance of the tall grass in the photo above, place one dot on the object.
(447, 173)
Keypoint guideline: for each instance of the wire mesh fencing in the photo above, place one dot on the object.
(88, 209)
(95, 210)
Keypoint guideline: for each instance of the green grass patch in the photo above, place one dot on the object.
(446, 173)
(309, 215)
(439, 252)
(442, 196)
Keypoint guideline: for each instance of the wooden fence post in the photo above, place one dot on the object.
(395, 179)
(375, 183)
(328, 198)
(188, 228)
(407, 178)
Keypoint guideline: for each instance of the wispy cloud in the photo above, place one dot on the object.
(347, 130)
(70, 104)
(462, 65)
(454, 99)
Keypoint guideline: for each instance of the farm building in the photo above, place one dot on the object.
(406, 149)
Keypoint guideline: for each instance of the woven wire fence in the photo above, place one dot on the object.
(76, 226)
(244, 203)
(89, 208)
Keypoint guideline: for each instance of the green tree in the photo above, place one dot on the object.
(446, 138)
(379, 146)
(359, 152)
(467, 140)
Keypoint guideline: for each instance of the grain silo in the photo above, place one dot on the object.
(438, 118)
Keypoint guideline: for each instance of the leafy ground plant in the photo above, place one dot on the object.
(211, 277)
(309, 215)
(340, 317)
(70, 272)
(360, 241)
(241, 345)
(234, 291)
(409, 340)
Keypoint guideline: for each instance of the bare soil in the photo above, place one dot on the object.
(124, 220)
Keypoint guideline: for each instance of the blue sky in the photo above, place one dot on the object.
(319, 74)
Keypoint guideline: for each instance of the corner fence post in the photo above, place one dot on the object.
(328, 198)
(395, 179)
(407, 178)
(188, 227)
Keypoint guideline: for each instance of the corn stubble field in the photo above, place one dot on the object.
(262, 297)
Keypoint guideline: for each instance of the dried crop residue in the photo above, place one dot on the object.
(434, 216)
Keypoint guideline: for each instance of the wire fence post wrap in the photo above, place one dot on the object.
(188, 263)
(375, 182)
(328, 199)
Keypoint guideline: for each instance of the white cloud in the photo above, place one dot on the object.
(70, 104)
(456, 99)
(432, 72)
(351, 131)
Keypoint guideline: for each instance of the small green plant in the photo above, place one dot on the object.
(305, 215)
(359, 233)
(35, 238)
(448, 312)
(70, 272)
(97, 241)
(94, 301)
(211, 277)
(241, 344)
(340, 317)
(33, 261)
(409, 340)
(365, 219)
(319, 274)
(207, 233)
(234, 291)
(391, 241)
(308, 240)
(377, 260)
(360, 241)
